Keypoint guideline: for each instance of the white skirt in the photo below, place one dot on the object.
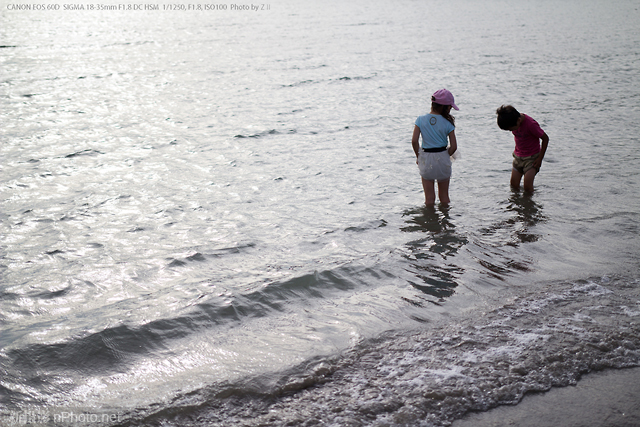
(434, 166)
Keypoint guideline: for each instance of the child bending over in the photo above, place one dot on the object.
(528, 154)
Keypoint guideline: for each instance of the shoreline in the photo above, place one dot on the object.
(601, 398)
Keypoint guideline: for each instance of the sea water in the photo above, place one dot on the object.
(212, 215)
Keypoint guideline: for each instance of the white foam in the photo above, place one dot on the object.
(630, 312)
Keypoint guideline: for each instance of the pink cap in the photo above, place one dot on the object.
(444, 97)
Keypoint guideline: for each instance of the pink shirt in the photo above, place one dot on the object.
(527, 137)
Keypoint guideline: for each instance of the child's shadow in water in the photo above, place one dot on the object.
(431, 255)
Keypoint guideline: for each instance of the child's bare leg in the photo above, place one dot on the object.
(443, 191)
(516, 177)
(529, 176)
(429, 192)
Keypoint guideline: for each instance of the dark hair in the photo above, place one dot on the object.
(443, 111)
(507, 117)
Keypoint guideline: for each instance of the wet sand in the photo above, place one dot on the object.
(602, 399)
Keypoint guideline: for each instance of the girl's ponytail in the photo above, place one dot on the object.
(442, 110)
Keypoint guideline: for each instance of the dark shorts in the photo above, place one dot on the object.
(524, 164)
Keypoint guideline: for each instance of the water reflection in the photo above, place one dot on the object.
(497, 246)
(435, 274)
(518, 228)
(435, 268)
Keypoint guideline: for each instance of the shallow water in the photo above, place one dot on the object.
(217, 217)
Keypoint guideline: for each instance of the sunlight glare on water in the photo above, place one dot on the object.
(206, 211)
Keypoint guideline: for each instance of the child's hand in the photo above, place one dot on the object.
(537, 163)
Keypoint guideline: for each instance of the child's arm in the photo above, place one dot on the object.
(415, 140)
(543, 149)
(453, 142)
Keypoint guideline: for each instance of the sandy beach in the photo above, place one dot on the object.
(600, 399)
(211, 214)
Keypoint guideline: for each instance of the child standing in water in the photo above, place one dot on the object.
(528, 155)
(434, 159)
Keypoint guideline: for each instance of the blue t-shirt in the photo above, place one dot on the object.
(434, 130)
